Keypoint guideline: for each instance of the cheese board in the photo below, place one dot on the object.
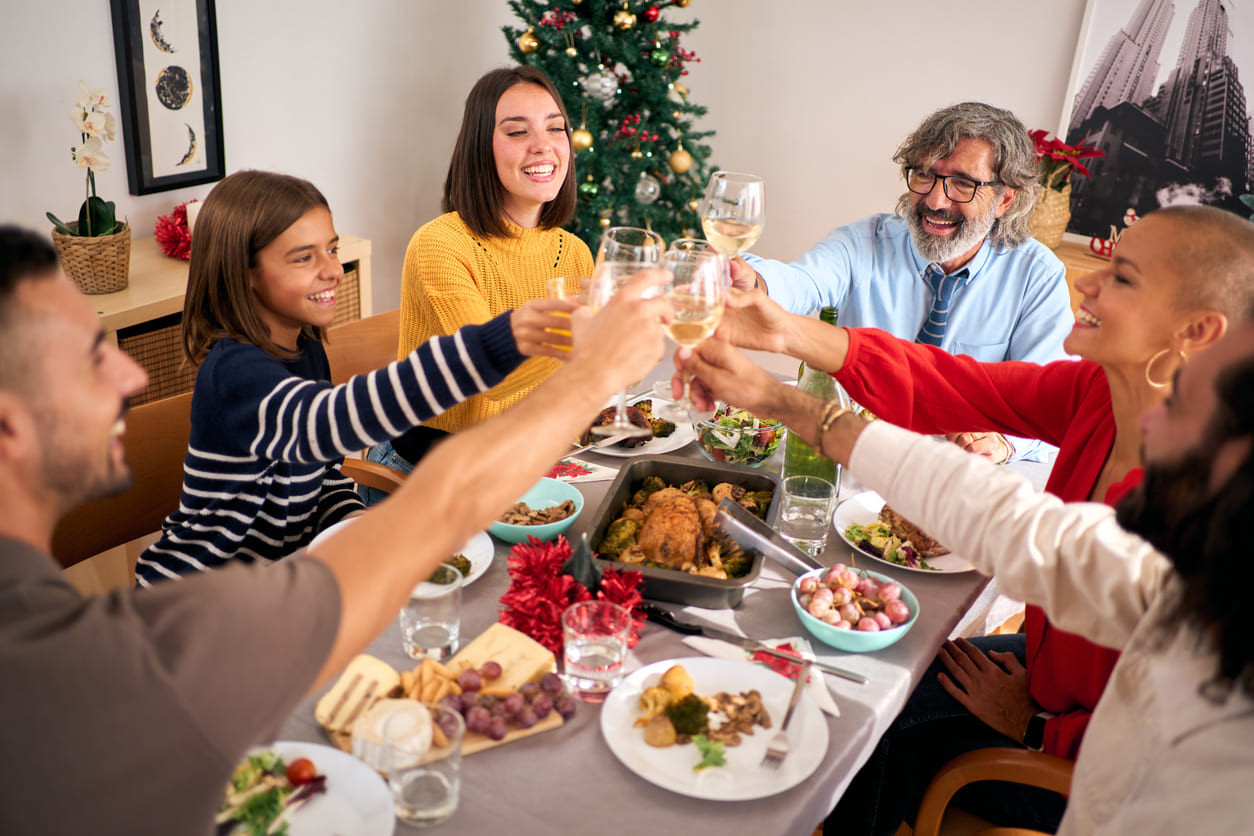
(368, 680)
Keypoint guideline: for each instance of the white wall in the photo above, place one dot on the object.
(364, 98)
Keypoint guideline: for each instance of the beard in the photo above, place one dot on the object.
(74, 473)
(1171, 507)
(968, 234)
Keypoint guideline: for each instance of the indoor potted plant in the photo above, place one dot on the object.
(1056, 161)
(95, 250)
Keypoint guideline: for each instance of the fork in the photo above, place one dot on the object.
(777, 749)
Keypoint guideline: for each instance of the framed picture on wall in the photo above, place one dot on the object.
(1155, 85)
(171, 107)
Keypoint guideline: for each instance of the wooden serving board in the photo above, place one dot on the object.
(473, 741)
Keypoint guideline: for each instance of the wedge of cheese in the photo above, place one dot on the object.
(365, 681)
(522, 658)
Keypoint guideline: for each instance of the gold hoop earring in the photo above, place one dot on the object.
(1184, 358)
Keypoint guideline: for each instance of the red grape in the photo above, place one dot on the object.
(491, 670)
(470, 680)
(551, 683)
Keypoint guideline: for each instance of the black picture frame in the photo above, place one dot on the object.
(169, 92)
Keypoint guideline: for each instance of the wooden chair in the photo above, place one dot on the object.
(363, 345)
(993, 764)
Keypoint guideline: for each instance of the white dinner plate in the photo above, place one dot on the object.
(865, 508)
(478, 550)
(684, 433)
(357, 800)
(743, 777)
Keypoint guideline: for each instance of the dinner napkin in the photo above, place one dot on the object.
(577, 470)
(817, 688)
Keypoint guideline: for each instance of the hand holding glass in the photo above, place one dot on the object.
(733, 211)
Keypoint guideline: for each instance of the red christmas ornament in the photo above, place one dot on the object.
(172, 235)
(651, 14)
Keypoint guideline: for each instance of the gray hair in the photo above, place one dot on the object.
(1014, 158)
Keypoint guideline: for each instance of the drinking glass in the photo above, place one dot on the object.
(698, 291)
(805, 513)
(594, 640)
(431, 620)
(426, 785)
(733, 211)
(622, 252)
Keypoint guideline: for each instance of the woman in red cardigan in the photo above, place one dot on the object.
(1175, 281)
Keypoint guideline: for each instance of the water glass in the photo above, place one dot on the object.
(426, 786)
(594, 636)
(805, 514)
(431, 620)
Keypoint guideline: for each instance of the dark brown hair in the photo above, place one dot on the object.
(472, 188)
(24, 256)
(241, 216)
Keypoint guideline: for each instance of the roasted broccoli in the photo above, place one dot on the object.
(652, 484)
(689, 716)
(695, 487)
(620, 535)
(757, 501)
(661, 428)
(737, 566)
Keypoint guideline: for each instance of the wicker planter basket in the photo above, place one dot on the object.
(96, 264)
(1051, 216)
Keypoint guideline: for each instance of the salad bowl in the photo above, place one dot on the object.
(735, 436)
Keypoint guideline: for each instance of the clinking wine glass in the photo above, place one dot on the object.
(623, 252)
(733, 211)
(697, 292)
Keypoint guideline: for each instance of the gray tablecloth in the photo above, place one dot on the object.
(568, 780)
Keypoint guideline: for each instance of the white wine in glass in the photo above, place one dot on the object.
(630, 244)
(698, 293)
(733, 211)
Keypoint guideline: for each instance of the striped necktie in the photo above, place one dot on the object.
(942, 291)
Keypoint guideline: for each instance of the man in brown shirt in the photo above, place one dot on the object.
(125, 713)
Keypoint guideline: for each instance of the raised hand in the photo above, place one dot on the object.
(992, 446)
(743, 277)
(724, 373)
(752, 320)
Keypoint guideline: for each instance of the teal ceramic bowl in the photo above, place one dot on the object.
(854, 641)
(544, 494)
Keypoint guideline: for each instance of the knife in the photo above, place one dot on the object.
(667, 619)
(604, 442)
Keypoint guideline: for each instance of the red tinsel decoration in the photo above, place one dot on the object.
(538, 594)
(171, 233)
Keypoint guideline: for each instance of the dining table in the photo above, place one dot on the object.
(567, 780)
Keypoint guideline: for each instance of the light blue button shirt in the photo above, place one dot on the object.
(1013, 304)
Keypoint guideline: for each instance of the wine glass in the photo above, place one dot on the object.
(623, 252)
(698, 291)
(733, 211)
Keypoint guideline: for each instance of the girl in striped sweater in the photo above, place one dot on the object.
(268, 429)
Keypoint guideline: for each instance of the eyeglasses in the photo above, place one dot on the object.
(957, 188)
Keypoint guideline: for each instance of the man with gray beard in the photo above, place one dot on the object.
(956, 265)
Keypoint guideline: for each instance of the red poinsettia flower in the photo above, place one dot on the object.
(1056, 160)
(172, 235)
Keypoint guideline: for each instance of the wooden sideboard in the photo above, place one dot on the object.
(1079, 261)
(146, 317)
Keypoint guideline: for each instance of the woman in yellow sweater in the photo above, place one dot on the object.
(510, 188)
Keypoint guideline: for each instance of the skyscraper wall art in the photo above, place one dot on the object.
(1157, 86)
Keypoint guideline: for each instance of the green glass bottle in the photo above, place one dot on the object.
(800, 459)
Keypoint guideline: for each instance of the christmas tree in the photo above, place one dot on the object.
(618, 64)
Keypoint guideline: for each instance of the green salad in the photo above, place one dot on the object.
(738, 437)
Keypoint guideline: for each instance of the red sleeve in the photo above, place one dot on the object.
(928, 390)
(1064, 733)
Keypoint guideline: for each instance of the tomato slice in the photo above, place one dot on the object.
(301, 771)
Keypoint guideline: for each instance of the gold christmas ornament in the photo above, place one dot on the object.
(571, 51)
(624, 19)
(637, 154)
(527, 41)
(570, 45)
(605, 222)
(683, 4)
(681, 89)
(581, 139)
(694, 205)
(680, 161)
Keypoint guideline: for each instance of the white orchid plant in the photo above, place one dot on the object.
(95, 126)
